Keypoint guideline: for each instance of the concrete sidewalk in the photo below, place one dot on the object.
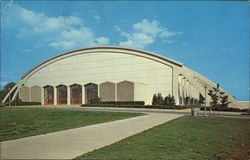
(71, 143)
(141, 110)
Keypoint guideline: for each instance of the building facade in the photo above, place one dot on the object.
(112, 74)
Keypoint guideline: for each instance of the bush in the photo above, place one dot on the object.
(124, 102)
(28, 103)
(2, 104)
(169, 100)
(95, 100)
(136, 106)
(225, 109)
(158, 100)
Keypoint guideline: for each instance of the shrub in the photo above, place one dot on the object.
(158, 100)
(169, 100)
(28, 103)
(95, 100)
(154, 100)
(226, 109)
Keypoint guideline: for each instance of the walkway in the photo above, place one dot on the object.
(71, 143)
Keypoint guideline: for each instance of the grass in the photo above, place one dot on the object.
(186, 138)
(20, 122)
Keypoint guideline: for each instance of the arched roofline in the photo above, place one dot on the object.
(106, 47)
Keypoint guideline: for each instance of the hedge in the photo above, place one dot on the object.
(136, 106)
(225, 109)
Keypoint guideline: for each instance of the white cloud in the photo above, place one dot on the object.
(63, 32)
(39, 22)
(27, 50)
(145, 33)
(148, 27)
(97, 17)
(102, 41)
(169, 41)
(31, 17)
(76, 38)
(137, 40)
(117, 28)
(166, 34)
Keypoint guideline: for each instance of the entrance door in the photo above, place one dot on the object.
(91, 93)
(48, 95)
(61, 94)
(76, 94)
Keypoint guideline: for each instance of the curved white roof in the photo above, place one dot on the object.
(103, 47)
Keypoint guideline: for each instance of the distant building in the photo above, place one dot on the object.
(112, 74)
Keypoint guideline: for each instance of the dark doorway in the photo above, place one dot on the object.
(75, 94)
(61, 94)
(91, 93)
(48, 95)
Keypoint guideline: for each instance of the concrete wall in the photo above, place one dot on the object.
(125, 91)
(102, 65)
(35, 94)
(107, 91)
(199, 83)
(245, 104)
(142, 92)
(24, 94)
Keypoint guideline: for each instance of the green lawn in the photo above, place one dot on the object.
(20, 122)
(186, 138)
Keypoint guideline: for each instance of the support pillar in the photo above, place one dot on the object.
(183, 90)
(98, 90)
(83, 94)
(68, 95)
(42, 95)
(115, 92)
(55, 95)
(175, 79)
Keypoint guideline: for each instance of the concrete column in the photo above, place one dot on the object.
(175, 75)
(55, 95)
(190, 94)
(115, 91)
(42, 95)
(183, 90)
(83, 94)
(30, 94)
(68, 95)
(185, 87)
(98, 88)
(190, 89)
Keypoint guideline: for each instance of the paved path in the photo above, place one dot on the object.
(71, 143)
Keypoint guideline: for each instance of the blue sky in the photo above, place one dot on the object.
(209, 37)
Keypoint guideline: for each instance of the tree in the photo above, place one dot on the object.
(224, 100)
(160, 99)
(154, 100)
(169, 100)
(9, 86)
(218, 98)
(214, 97)
(157, 99)
(6, 89)
(172, 102)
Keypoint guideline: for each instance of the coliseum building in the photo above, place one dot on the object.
(112, 74)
